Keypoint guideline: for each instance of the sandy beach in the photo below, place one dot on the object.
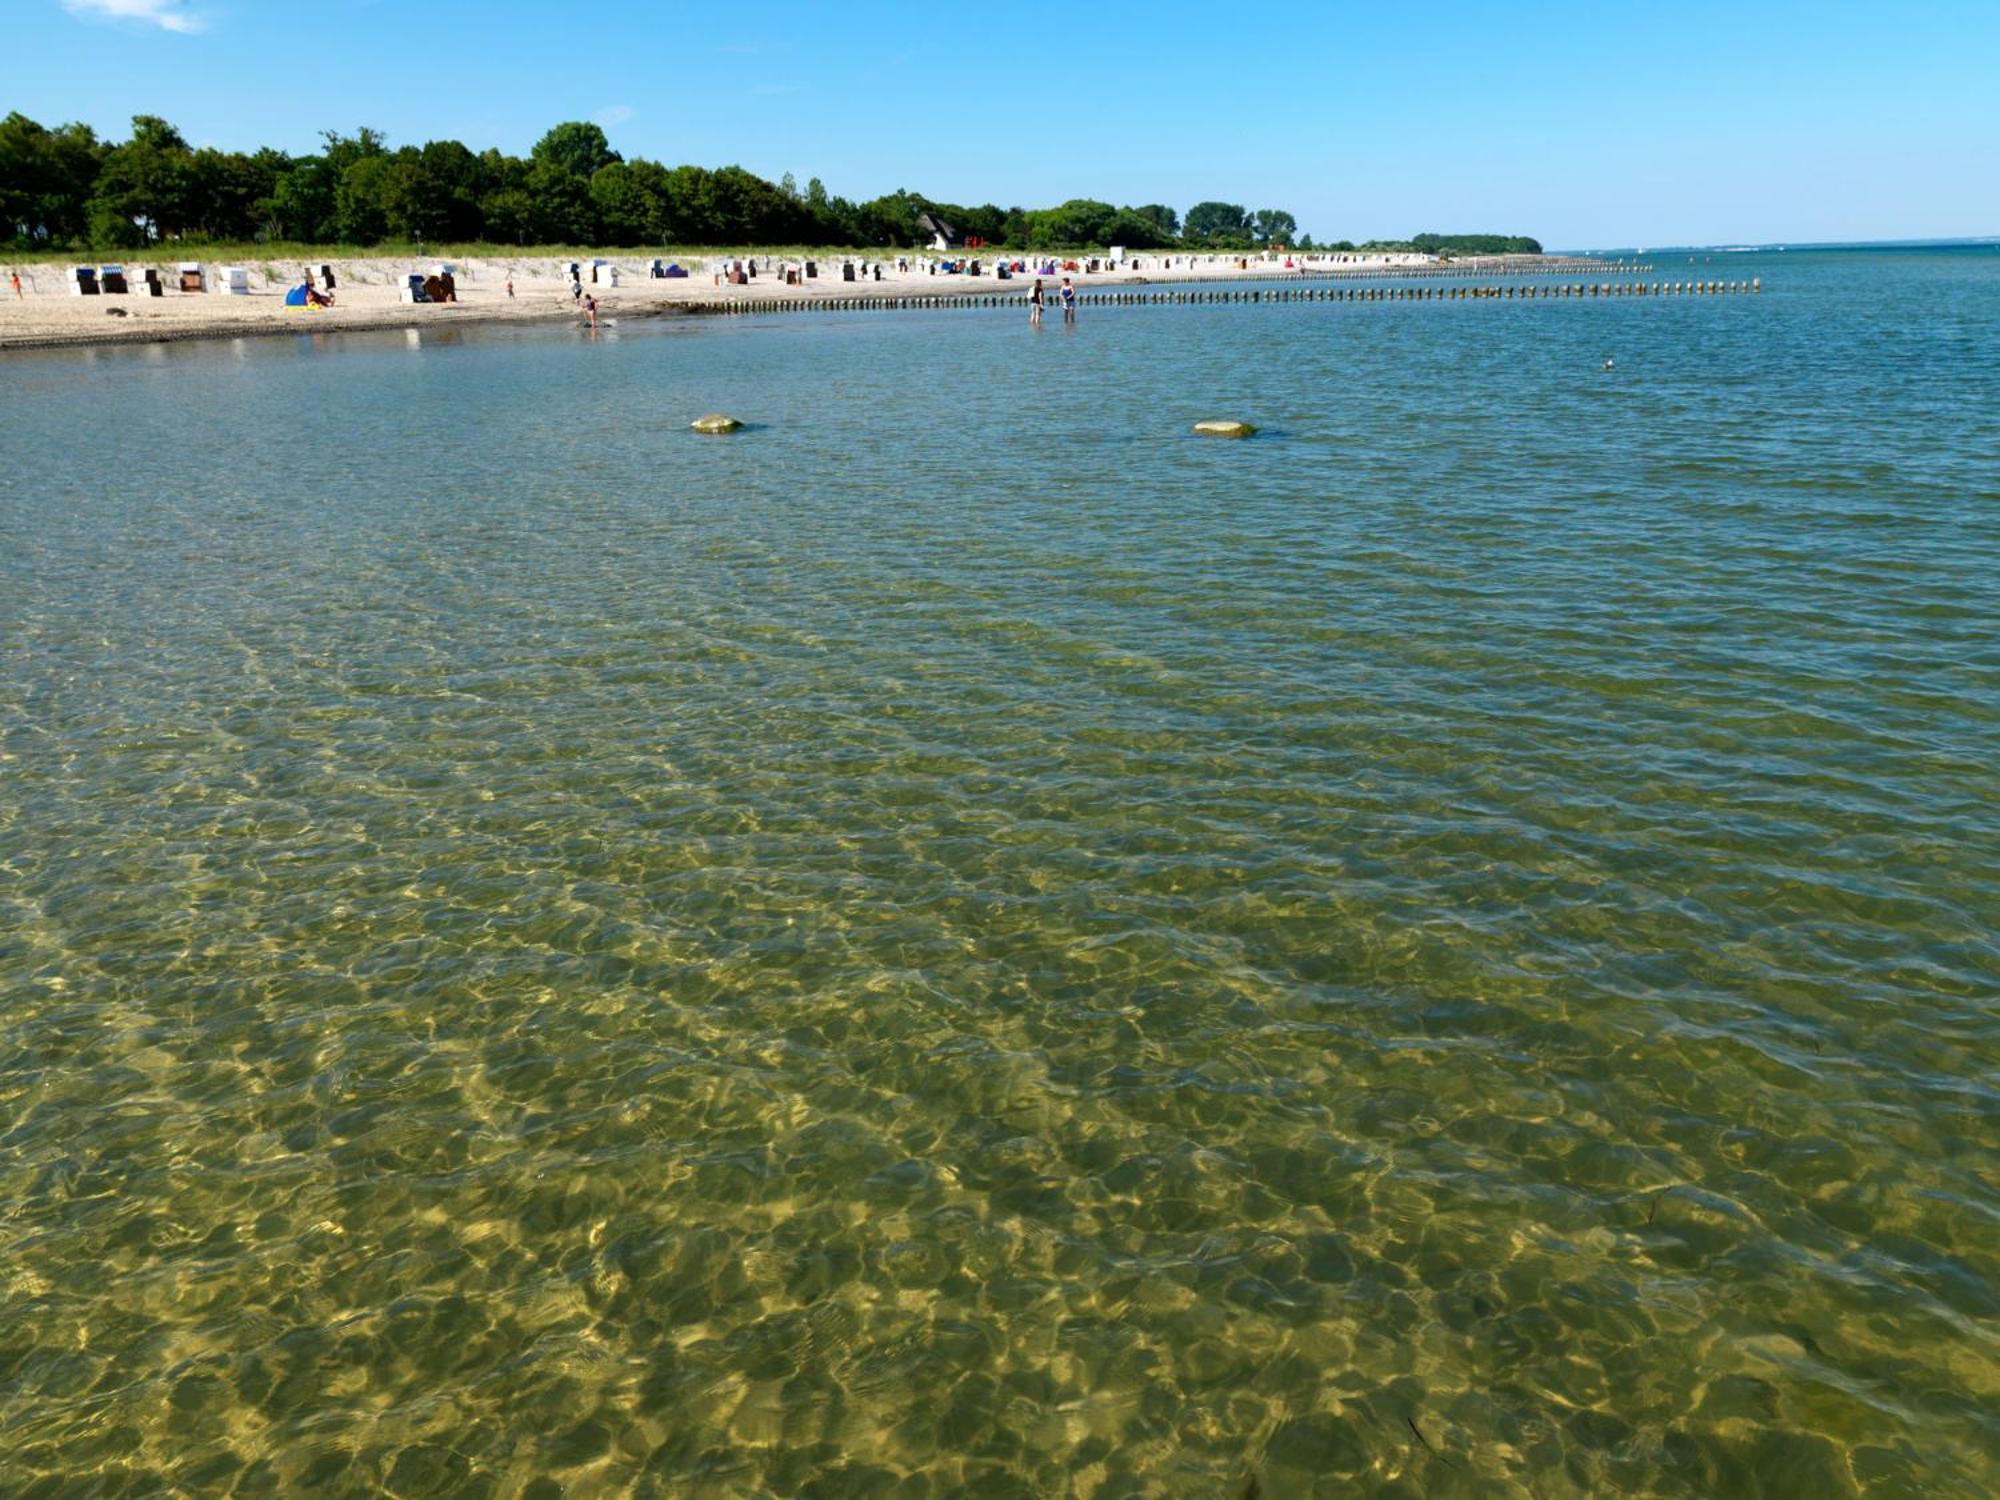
(368, 290)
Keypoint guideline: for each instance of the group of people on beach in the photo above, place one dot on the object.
(1067, 295)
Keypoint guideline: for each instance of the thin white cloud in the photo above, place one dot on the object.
(168, 15)
(615, 114)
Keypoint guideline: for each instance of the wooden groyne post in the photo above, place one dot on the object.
(1204, 296)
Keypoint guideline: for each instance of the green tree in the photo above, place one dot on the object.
(307, 203)
(834, 224)
(231, 191)
(361, 200)
(691, 214)
(46, 180)
(628, 203)
(1217, 223)
(559, 172)
(509, 214)
(576, 147)
(301, 203)
(1080, 221)
(343, 151)
(1273, 226)
(506, 212)
(405, 197)
(889, 220)
(1475, 244)
(655, 184)
(1135, 230)
(564, 211)
(146, 189)
(446, 184)
(1166, 223)
(750, 209)
(989, 222)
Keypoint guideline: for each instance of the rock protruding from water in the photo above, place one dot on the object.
(715, 421)
(1221, 428)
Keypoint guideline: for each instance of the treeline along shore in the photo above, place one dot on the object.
(64, 189)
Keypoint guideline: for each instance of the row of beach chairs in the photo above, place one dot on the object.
(150, 281)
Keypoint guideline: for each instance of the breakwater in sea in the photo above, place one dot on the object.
(1258, 295)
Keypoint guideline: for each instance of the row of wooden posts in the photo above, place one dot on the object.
(1529, 292)
(1539, 268)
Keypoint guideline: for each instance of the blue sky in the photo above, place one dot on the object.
(1588, 126)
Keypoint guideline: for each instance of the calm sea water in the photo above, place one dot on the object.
(962, 941)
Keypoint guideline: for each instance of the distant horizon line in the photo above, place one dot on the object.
(1939, 242)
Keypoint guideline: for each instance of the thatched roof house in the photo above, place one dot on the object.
(943, 236)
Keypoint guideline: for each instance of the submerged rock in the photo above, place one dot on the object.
(1219, 428)
(715, 421)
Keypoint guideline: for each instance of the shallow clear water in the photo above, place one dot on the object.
(963, 941)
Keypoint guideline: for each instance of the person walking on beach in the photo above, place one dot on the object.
(15, 277)
(1068, 301)
(510, 283)
(1035, 304)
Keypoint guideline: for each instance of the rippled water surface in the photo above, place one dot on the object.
(962, 941)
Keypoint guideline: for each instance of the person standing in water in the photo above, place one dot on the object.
(590, 309)
(1035, 304)
(1068, 301)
